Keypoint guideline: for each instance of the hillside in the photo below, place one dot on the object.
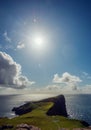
(58, 107)
(39, 115)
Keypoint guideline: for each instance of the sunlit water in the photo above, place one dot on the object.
(7, 102)
(78, 106)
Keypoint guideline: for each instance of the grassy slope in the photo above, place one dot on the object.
(39, 118)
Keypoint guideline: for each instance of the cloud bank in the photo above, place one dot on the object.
(11, 73)
(67, 79)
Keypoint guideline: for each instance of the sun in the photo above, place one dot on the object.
(39, 44)
(38, 41)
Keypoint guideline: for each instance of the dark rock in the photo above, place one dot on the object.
(59, 107)
(23, 109)
(85, 123)
(6, 126)
(0, 127)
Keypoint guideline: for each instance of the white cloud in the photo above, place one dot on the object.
(20, 45)
(9, 91)
(11, 73)
(53, 87)
(7, 38)
(58, 89)
(67, 79)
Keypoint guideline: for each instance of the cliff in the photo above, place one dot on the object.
(58, 107)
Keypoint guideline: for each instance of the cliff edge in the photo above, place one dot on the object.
(59, 106)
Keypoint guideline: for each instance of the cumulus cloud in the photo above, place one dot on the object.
(20, 45)
(11, 73)
(68, 79)
(7, 38)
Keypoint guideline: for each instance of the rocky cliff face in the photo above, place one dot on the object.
(23, 109)
(58, 108)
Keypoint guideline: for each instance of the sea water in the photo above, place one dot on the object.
(78, 106)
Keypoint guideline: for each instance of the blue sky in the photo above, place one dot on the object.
(50, 40)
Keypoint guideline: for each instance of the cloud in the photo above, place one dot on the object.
(11, 73)
(20, 45)
(86, 89)
(53, 87)
(7, 38)
(68, 79)
(86, 75)
(59, 89)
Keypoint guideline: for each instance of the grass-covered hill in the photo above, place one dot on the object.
(58, 107)
(47, 114)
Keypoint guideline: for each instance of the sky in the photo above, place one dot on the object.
(45, 46)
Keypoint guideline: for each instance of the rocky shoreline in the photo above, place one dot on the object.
(31, 127)
(19, 127)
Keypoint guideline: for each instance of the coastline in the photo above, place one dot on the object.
(44, 99)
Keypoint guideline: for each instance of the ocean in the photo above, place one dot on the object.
(78, 106)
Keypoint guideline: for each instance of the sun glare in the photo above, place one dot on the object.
(38, 41)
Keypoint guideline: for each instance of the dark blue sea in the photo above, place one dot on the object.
(78, 106)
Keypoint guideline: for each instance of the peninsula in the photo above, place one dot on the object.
(47, 114)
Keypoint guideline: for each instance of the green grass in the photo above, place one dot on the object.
(38, 117)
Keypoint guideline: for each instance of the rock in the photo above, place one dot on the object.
(59, 107)
(63, 129)
(85, 123)
(0, 127)
(81, 128)
(23, 109)
(6, 127)
(26, 127)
